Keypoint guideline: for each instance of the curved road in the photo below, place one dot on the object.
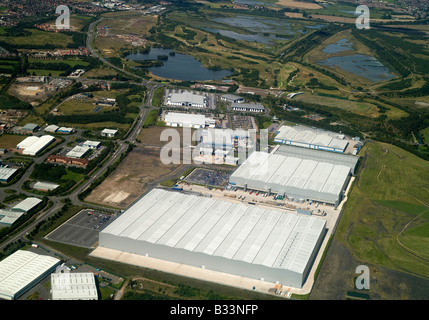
(123, 144)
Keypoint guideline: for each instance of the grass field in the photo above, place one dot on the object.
(70, 61)
(385, 221)
(8, 141)
(82, 106)
(39, 37)
(43, 72)
(157, 97)
(425, 135)
(362, 108)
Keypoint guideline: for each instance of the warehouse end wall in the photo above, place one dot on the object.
(197, 259)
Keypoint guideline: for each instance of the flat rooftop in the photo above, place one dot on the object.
(188, 97)
(213, 227)
(311, 136)
(299, 173)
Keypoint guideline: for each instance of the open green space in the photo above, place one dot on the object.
(157, 97)
(39, 38)
(72, 61)
(425, 135)
(386, 215)
(363, 108)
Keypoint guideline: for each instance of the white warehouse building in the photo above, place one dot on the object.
(34, 145)
(188, 120)
(73, 286)
(22, 270)
(228, 237)
(186, 99)
(297, 173)
(312, 138)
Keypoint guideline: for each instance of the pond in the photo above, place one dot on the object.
(341, 45)
(360, 65)
(179, 66)
(246, 37)
(261, 30)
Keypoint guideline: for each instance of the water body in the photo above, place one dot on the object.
(246, 37)
(257, 3)
(353, 13)
(340, 46)
(179, 67)
(360, 65)
(258, 25)
(258, 28)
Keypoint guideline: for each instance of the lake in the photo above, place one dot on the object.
(179, 67)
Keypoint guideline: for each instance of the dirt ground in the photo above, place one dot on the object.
(299, 4)
(152, 135)
(130, 180)
(337, 276)
(35, 97)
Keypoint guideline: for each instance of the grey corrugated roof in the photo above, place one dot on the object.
(21, 269)
(236, 231)
(305, 173)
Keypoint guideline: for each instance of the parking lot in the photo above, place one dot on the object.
(208, 177)
(82, 230)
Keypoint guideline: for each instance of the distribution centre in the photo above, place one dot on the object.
(229, 237)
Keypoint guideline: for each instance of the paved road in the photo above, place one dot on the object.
(123, 144)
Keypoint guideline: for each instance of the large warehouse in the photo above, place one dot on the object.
(298, 173)
(22, 270)
(188, 120)
(188, 99)
(234, 238)
(34, 145)
(312, 138)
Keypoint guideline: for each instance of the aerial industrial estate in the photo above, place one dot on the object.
(213, 150)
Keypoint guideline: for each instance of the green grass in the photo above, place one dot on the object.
(151, 118)
(157, 97)
(390, 193)
(73, 176)
(70, 61)
(39, 37)
(42, 72)
(403, 206)
(362, 108)
(425, 135)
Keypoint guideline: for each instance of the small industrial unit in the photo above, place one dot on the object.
(229, 237)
